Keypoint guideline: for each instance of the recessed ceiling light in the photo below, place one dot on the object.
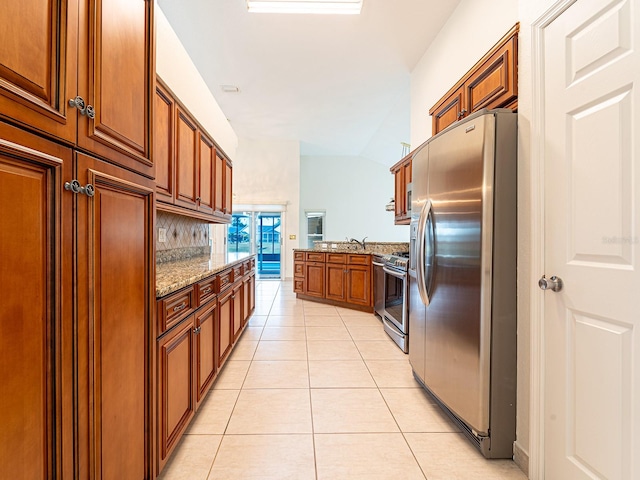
(229, 88)
(353, 7)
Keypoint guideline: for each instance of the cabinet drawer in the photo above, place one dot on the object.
(246, 267)
(298, 285)
(359, 259)
(237, 272)
(206, 290)
(224, 280)
(173, 308)
(336, 257)
(298, 269)
(314, 257)
(298, 256)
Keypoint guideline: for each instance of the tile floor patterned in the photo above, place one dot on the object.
(315, 392)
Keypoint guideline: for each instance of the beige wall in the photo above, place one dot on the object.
(268, 172)
(176, 69)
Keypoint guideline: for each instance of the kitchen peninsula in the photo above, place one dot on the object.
(339, 273)
(203, 305)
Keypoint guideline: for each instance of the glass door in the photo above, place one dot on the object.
(259, 233)
(268, 243)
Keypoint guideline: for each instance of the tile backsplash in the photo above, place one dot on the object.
(181, 232)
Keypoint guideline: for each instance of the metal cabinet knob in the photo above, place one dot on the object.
(79, 103)
(554, 283)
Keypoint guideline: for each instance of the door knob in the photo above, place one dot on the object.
(554, 283)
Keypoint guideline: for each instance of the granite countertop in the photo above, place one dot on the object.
(172, 276)
(353, 248)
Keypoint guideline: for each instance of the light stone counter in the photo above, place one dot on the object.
(172, 276)
(381, 248)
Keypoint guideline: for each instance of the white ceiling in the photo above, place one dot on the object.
(338, 84)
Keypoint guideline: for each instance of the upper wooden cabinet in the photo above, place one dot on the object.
(402, 177)
(491, 83)
(99, 56)
(194, 176)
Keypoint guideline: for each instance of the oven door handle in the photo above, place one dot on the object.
(376, 264)
(401, 275)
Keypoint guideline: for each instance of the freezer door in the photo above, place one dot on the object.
(458, 317)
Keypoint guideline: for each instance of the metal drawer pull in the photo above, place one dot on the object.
(83, 108)
(182, 306)
(75, 186)
(206, 290)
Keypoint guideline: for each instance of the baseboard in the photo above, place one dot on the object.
(521, 458)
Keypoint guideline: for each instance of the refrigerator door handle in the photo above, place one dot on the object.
(420, 270)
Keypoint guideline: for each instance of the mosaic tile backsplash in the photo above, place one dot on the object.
(185, 237)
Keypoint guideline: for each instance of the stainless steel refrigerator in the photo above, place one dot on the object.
(462, 274)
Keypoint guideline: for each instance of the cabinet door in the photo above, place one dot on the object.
(38, 60)
(400, 189)
(163, 142)
(252, 294)
(115, 285)
(228, 188)
(246, 299)
(116, 72)
(219, 183)
(186, 160)
(207, 156)
(205, 324)
(36, 437)
(237, 300)
(335, 279)
(359, 285)
(225, 314)
(176, 391)
(448, 111)
(495, 82)
(314, 279)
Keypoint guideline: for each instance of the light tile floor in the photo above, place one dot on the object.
(317, 392)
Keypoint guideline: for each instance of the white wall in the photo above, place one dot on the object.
(353, 191)
(268, 172)
(473, 28)
(176, 69)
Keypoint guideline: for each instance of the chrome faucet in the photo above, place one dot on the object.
(362, 243)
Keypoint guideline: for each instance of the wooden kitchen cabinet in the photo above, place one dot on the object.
(336, 288)
(402, 178)
(336, 278)
(186, 160)
(194, 175)
(114, 281)
(359, 284)
(237, 305)
(81, 48)
(314, 279)
(164, 144)
(205, 324)
(36, 327)
(491, 83)
(225, 314)
(176, 385)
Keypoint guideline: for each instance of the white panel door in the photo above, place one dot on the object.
(592, 211)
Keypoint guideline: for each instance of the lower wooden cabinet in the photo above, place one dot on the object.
(344, 279)
(176, 385)
(237, 302)
(314, 279)
(336, 288)
(205, 324)
(225, 338)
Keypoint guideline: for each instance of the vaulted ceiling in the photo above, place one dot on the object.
(338, 84)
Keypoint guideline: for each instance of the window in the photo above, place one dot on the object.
(315, 227)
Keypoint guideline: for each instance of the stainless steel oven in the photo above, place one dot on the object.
(396, 307)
